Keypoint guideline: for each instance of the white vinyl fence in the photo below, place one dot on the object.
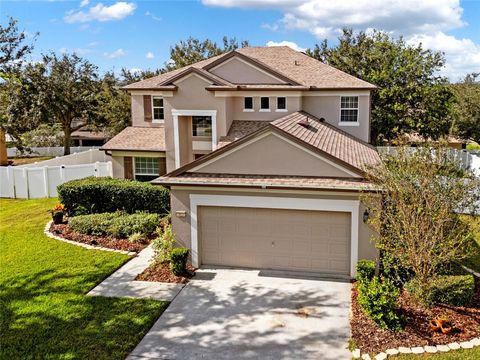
(48, 151)
(42, 182)
(85, 157)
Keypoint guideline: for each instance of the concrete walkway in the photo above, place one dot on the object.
(247, 314)
(122, 284)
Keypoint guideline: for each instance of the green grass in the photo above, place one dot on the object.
(44, 312)
(474, 261)
(472, 354)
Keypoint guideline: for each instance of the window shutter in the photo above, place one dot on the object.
(128, 167)
(162, 166)
(147, 107)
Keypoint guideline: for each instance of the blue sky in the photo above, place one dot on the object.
(138, 34)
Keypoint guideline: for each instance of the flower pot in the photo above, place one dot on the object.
(57, 218)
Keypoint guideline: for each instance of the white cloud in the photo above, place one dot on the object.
(272, 27)
(462, 55)
(100, 12)
(114, 54)
(153, 16)
(150, 55)
(426, 21)
(290, 44)
(84, 3)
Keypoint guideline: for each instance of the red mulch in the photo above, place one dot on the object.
(161, 272)
(64, 231)
(371, 339)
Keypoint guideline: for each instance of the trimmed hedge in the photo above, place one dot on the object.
(178, 261)
(456, 290)
(105, 195)
(116, 224)
(378, 298)
(365, 270)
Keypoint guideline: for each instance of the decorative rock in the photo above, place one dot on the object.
(392, 352)
(381, 356)
(366, 357)
(443, 348)
(418, 350)
(356, 354)
(466, 345)
(404, 350)
(454, 346)
(431, 349)
(475, 342)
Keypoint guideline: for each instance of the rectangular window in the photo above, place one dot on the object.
(202, 125)
(349, 109)
(248, 103)
(157, 105)
(146, 168)
(265, 103)
(281, 103)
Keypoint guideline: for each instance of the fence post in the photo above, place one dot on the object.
(62, 173)
(45, 181)
(25, 178)
(96, 169)
(11, 182)
(109, 168)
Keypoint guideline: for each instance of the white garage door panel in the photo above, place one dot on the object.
(316, 241)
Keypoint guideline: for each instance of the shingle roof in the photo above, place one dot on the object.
(297, 66)
(138, 139)
(264, 181)
(329, 139)
(239, 129)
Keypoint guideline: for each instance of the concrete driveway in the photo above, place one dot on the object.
(246, 314)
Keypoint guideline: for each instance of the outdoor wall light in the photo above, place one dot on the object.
(366, 216)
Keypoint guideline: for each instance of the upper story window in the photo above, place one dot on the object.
(349, 109)
(248, 103)
(264, 103)
(146, 168)
(202, 125)
(281, 104)
(158, 110)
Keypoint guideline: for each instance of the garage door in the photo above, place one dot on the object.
(313, 241)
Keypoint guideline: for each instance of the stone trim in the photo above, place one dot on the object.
(47, 232)
(356, 354)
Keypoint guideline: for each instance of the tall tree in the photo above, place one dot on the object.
(411, 96)
(467, 107)
(128, 76)
(13, 50)
(61, 90)
(193, 50)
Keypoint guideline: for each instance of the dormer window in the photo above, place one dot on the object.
(349, 110)
(248, 104)
(264, 104)
(158, 110)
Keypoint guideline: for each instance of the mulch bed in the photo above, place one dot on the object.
(160, 272)
(371, 339)
(64, 231)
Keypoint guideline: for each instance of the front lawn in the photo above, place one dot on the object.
(44, 312)
(472, 354)
(474, 261)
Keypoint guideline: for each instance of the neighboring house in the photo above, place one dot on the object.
(265, 150)
(88, 137)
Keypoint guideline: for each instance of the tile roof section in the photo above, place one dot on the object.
(283, 60)
(138, 139)
(239, 129)
(279, 181)
(329, 139)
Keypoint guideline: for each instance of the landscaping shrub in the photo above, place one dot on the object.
(365, 270)
(115, 224)
(378, 298)
(103, 195)
(393, 269)
(163, 244)
(137, 238)
(178, 261)
(456, 290)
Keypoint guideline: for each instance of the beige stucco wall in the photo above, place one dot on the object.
(238, 72)
(180, 201)
(117, 167)
(294, 103)
(328, 107)
(272, 155)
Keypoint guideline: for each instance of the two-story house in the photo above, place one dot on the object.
(264, 151)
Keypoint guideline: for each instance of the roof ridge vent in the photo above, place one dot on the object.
(297, 63)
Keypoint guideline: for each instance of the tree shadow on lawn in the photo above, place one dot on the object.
(47, 315)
